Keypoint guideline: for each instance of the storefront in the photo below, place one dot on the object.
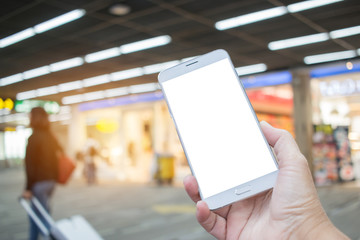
(336, 119)
(130, 133)
(271, 96)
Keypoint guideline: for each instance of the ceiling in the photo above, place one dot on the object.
(190, 23)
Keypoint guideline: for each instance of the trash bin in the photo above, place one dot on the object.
(165, 169)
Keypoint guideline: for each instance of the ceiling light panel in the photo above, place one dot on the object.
(26, 95)
(145, 44)
(155, 68)
(148, 87)
(93, 96)
(72, 99)
(70, 63)
(88, 82)
(305, 5)
(101, 55)
(47, 91)
(42, 27)
(60, 20)
(36, 72)
(125, 74)
(256, 68)
(11, 79)
(250, 18)
(298, 41)
(17, 37)
(69, 86)
(115, 92)
(345, 32)
(328, 57)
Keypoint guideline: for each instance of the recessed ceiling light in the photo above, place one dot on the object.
(119, 9)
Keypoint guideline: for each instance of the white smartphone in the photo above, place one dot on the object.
(218, 129)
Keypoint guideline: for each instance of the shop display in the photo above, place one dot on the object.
(346, 170)
(278, 121)
(331, 155)
(324, 156)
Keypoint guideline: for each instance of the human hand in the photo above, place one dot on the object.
(291, 210)
(27, 194)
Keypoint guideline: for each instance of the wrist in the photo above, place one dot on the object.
(318, 226)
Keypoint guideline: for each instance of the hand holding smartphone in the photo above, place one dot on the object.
(218, 129)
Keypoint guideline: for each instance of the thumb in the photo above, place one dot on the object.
(283, 143)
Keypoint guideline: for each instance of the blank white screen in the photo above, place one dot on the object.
(218, 130)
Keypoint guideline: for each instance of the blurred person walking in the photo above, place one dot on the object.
(41, 164)
(91, 150)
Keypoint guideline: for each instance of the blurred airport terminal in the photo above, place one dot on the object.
(93, 66)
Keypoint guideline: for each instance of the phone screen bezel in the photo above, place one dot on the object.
(228, 195)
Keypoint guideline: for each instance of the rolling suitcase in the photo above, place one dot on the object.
(73, 228)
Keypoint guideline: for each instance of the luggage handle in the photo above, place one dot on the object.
(42, 211)
(33, 216)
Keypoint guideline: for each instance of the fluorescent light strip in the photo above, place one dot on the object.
(132, 73)
(250, 18)
(155, 68)
(256, 68)
(328, 57)
(345, 32)
(26, 95)
(69, 63)
(305, 5)
(140, 88)
(69, 86)
(11, 79)
(93, 96)
(60, 20)
(92, 57)
(36, 72)
(298, 41)
(188, 59)
(115, 92)
(72, 99)
(88, 82)
(125, 74)
(145, 44)
(17, 37)
(42, 27)
(101, 55)
(270, 13)
(47, 91)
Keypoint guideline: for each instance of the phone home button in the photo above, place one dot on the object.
(240, 191)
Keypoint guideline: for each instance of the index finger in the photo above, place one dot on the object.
(192, 188)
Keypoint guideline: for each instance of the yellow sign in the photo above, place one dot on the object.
(7, 103)
(107, 125)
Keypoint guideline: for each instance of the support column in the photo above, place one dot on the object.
(303, 113)
(77, 132)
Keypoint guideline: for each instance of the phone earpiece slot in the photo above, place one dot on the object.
(191, 63)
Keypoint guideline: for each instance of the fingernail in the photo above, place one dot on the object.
(265, 123)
